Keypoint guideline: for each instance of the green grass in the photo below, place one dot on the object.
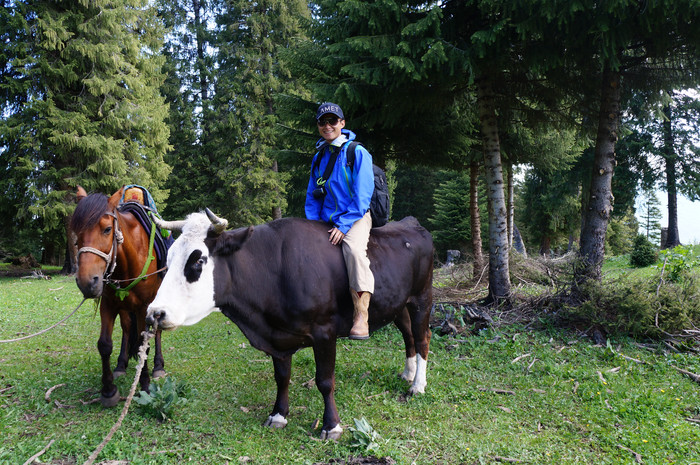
(561, 410)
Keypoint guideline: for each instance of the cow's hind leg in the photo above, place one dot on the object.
(109, 395)
(324, 354)
(403, 322)
(419, 310)
(283, 371)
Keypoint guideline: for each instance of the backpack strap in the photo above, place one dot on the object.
(350, 152)
(321, 181)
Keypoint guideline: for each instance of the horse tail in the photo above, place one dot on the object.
(134, 339)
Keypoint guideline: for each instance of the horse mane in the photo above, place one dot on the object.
(88, 212)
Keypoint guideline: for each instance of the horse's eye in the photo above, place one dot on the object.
(107, 230)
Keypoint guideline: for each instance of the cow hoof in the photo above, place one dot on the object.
(332, 435)
(276, 421)
(108, 402)
(157, 374)
(413, 390)
(117, 373)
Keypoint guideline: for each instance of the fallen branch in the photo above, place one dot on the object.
(600, 376)
(498, 391)
(637, 456)
(632, 359)
(40, 453)
(529, 367)
(690, 375)
(661, 278)
(47, 396)
(517, 359)
(693, 420)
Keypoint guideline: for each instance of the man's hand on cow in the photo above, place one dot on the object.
(336, 236)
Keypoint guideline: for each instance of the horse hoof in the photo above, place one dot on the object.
(157, 374)
(117, 373)
(108, 402)
(332, 435)
(276, 421)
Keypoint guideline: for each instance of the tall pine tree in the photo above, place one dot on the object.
(92, 113)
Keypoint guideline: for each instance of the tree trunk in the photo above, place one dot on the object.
(511, 204)
(673, 237)
(70, 263)
(600, 202)
(518, 244)
(475, 218)
(546, 246)
(198, 27)
(276, 210)
(499, 274)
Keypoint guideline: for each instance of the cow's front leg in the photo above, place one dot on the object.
(324, 353)
(158, 363)
(283, 371)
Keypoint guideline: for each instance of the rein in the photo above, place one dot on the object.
(123, 292)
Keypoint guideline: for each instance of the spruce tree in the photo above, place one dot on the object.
(650, 215)
(92, 113)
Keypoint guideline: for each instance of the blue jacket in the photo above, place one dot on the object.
(348, 191)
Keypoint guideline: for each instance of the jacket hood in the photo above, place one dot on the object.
(346, 135)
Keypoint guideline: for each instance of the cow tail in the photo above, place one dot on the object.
(134, 339)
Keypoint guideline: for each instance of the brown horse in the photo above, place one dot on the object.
(113, 247)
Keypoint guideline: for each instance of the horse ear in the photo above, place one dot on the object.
(116, 198)
(80, 194)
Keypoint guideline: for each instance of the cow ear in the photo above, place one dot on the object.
(230, 242)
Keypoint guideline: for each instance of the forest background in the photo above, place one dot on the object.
(211, 104)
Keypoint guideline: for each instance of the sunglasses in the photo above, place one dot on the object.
(332, 121)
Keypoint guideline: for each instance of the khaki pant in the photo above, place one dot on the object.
(355, 253)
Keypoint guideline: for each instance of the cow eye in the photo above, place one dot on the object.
(194, 265)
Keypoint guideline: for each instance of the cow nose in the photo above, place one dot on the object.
(155, 316)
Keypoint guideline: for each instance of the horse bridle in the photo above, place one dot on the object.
(111, 257)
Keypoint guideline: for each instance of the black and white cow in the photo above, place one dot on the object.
(286, 287)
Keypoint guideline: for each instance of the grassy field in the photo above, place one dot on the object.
(543, 397)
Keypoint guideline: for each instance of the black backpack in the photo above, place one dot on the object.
(379, 205)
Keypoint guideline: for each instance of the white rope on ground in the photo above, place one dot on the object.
(47, 329)
(142, 360)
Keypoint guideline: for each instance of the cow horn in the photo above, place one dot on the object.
(220, 224)
(170, 225)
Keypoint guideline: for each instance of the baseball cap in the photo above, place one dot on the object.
(328, 107)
